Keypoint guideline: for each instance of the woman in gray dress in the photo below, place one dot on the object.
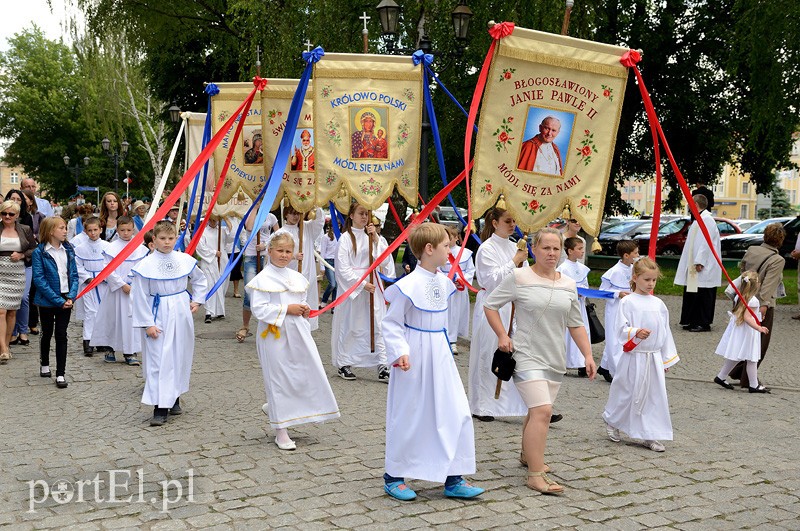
(16, 245)
(546, 305)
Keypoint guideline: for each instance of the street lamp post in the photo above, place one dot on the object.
(389, 14)
(116, 157)
(76, 170)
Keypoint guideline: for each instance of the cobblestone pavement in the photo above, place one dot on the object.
(733, 463)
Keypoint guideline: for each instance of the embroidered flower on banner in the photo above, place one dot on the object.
(486, 187)
(370, 187)
(584, 203)
(405, 180)
(503, 134)
(330, 177)
(608, 92)
(409, 94)
(332, 132)
(587, 147)
(533, 207)
(272, 114)
(402, 134)
(326, 91)
(507, 73)
(302, 196)
(227, 184)
(223, 115)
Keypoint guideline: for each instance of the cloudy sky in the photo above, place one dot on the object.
(20, 14)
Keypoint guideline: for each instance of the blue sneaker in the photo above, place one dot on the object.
(110, 358)
(462, 489)
(400, 491)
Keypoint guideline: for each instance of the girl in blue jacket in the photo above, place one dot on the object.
(55, 275)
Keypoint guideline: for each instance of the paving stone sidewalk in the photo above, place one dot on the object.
(733, 463)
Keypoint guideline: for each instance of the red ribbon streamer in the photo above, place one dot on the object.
(630, 59)
(260, 84)
(438, 198)
(171, 199)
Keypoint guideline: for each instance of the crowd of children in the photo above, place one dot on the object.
(407, 332)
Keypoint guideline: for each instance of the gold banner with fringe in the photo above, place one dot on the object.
(548, 128)
(368, 118)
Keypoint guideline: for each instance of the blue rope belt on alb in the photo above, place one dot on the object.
(443, 331)
(157, 300)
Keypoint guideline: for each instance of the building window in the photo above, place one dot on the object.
(792, 197)
(14, 177)
(745, 188)
(743, 213)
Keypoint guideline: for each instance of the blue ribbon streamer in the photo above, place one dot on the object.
(78, 226)
(270, 190)
(212, 90)
(595, 293)
(389, 279)
(431, 116)
(334, 220)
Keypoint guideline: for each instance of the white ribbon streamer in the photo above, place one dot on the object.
(162, 184)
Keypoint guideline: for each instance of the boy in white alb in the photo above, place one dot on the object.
(429, 432)
(214, 259)
(163, 307)
(458, 312)
(574, 269)
(117, 330)
(90, 261)
(312, 229)
(618, 280)
(298, 391)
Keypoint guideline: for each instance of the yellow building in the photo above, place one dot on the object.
(10, 178)
(789, 180)
(734, 195)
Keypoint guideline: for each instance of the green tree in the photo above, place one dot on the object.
(780, 204)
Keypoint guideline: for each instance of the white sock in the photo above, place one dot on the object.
(752, 373)
(60, 379)
(282, 436)
(727, 367)
(45, 368)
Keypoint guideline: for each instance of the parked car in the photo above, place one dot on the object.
(735, 246)
(447, 216)
(625, 230)
(745, 224)
(672, 235)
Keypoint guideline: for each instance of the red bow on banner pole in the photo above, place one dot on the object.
(173, 198)
(630, 59)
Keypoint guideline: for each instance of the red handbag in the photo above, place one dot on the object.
(630, 345)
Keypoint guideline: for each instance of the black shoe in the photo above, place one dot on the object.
(698, 328)
(61, 383)
(14, 341)
(602, 371)
(208, 319)
(34, 331)
(346, 373)
(47, 374)
(723, 383)
(686, 327)
(759, 389)
(555, 417)
(176, 407)
(24, 342)
(484, 418)
(159, 416)
(383, 374)
(582, 372)
(87, 349)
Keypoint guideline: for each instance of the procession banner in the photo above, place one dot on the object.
(548, 127)
(299, 181)
(368, 123)
(246, 171)
(239, 203)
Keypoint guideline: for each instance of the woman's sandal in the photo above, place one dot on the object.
(241, 334)
(553, 488)
(523, 462)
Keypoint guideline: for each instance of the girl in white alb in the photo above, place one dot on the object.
(298, 391)
(497, 257)
(350, 334)
(637, 401)
(742, 338)
(458, 312)
(311, 231)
